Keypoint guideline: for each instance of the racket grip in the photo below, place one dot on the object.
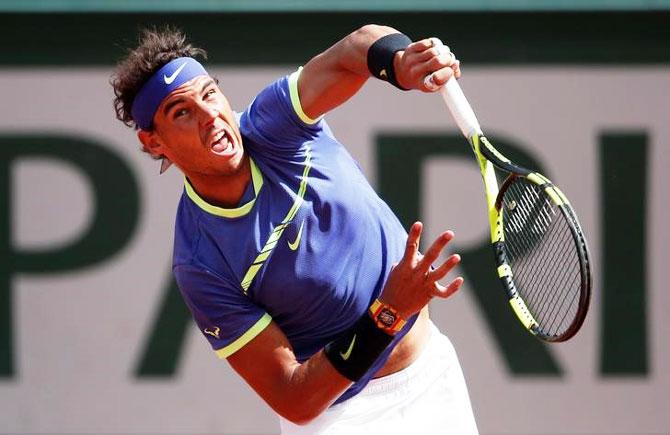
(460, 109)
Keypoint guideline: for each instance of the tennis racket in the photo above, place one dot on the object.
(540, 250)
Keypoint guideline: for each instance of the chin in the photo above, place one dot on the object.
(232, 165)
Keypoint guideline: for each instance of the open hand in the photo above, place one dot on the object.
(412, 282)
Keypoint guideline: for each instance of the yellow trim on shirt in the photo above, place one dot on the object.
(256, 179)
(245, 338)
(279, 229)
(295, 98)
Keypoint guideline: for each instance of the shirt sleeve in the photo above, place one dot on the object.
(225, 316)
(275, 119)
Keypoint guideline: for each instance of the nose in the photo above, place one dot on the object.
(207, 114)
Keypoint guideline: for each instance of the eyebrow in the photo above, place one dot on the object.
(173, 103)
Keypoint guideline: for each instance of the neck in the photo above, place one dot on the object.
(225, 190)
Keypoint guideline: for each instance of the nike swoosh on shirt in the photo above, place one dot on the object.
(174, 75)
(293, 246)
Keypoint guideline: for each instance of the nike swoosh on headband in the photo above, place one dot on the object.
(170, 79)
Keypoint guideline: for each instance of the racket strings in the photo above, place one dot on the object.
(555, 275)
(540, 250)
(518, 250)
(541, 298)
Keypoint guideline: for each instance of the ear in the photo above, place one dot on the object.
(150, 142)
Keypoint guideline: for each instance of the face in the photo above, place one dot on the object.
(195, 128)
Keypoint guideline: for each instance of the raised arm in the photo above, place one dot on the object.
(332, 77)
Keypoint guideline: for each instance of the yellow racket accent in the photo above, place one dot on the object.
(561, 195)
(554, 196)
(554, 192)
(494, 151)
(491, 190)
(504, 270)
(536, 178)
(521, 311)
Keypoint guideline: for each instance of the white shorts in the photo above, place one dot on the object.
(428, 397)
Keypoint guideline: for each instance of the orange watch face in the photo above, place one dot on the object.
(386, 317)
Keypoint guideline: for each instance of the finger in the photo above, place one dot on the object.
(441, 52)
(429, 83)
(412, 246)
(444, 268)
(434, 251)
(425, 55)
(442, 59)
(436, 42)
(456, 66)
(446, 57)
(444, 292)
(419, 46)
(437, 79)
(439, 45)
(426, 49)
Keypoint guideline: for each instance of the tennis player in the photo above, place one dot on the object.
(293, 268)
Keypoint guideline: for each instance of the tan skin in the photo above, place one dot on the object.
(191, 119)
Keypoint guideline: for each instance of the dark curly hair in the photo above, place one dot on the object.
(156, 48)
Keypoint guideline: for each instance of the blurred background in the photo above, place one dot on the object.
(94, 338)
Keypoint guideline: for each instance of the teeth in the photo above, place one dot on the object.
(221, 139)
(221, 142)
(219, 136)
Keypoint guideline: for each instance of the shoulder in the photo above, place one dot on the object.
(275, 119)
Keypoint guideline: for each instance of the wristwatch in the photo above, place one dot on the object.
(386, 317)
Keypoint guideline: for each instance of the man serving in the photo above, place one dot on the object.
(293, 268)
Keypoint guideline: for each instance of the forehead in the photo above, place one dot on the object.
(191, 87)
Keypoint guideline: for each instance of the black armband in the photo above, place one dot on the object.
(358, 348)
(381, 54)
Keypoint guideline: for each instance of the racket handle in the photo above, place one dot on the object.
(460, 108)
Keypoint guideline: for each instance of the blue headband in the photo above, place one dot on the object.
(171, 75)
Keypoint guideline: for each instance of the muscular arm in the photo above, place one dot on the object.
(297, 392)
(332, 77)
(300, 392)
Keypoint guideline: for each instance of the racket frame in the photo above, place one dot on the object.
(488, 157)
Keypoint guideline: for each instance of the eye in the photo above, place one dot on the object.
(210, 93)
(180, 112)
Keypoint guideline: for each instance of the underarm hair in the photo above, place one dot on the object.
(353, 353)
(381, 54)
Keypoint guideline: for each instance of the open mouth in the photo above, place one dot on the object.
(221, 142)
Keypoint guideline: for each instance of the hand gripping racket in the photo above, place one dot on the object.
(540, 251)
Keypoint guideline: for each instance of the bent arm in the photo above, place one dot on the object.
(297, 392)
(332, 77)
(300, 392)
